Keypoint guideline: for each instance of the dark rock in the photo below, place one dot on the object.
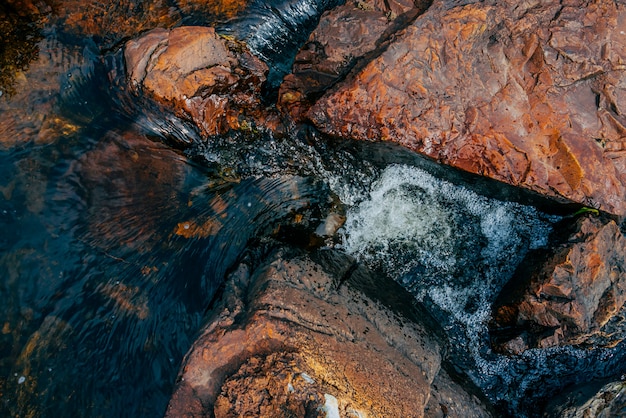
(526, 93)
(575, 294)
(212, 80)
(286, 330)
(609, 401)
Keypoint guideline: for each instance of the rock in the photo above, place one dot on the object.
(527, 93)
(343, 36)
(270, 386)
(113, 21)
(212, 80)
(572, 295)
(286, 341)
(609, 401)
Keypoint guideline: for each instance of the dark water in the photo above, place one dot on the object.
(113, 247)
(119, 225)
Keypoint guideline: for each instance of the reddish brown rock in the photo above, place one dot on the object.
(113, 20)
(527, 93)
(285, 341)
(214, 81)
(575, 296)
(343, 36)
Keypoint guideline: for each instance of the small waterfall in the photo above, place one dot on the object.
(454, 250)
(275, 30)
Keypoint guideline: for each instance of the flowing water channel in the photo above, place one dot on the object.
(115, 238)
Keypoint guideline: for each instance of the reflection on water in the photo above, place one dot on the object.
(117, 248)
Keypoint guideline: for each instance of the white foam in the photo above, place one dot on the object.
(331, 406)
(443, 242)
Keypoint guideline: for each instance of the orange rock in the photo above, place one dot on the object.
(212, 80)
(529, 95)
(575, 295)
(285, 341)
(343, 36)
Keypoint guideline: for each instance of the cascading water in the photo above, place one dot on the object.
(454, 250)
(275, 30)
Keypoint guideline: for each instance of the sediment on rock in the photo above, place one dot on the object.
(573, 294)
(527, 94)
(288, 329)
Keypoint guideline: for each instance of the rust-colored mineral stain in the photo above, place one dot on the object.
(190, 229)
(565, 162)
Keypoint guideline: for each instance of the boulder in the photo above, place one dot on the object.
(609, 401)
(288, 340)
(527, 93)
(212, 80)
(573, 294)
(342, 38)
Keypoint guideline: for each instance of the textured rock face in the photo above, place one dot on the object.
(609, 401)
(528, 93)
(287, 330)
(575, 296)
(212, 80)
(343, 36)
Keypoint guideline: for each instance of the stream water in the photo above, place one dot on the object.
(114, 242)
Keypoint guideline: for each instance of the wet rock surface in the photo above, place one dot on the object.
(287, 329)
(608, 401)
(525, 93)
(343, 37)
(209, 79)
(573, 294)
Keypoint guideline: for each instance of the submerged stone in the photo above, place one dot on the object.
(529, 94)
